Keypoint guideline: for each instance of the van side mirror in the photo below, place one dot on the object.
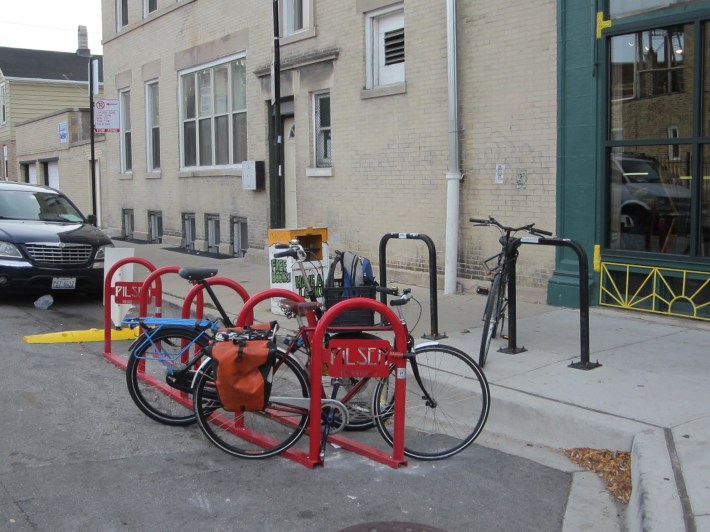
(91, 218)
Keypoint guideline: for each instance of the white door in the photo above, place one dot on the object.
(53, 174)
(290, 173)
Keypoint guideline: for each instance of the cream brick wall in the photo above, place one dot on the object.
(508, 98)
(390, 153)
(38, 141)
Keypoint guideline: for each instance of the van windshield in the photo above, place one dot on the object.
(37, 206)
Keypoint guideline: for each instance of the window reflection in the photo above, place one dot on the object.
(705, 205)
(650, 200)
(651, 82)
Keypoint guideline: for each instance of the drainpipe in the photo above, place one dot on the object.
(453, 175)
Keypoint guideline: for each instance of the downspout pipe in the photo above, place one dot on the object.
(453, 174)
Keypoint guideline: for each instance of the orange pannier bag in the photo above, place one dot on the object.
(245, 361)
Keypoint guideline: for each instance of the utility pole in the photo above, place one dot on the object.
(278, 190)
(84, 51)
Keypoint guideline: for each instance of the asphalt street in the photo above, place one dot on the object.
(78, 455)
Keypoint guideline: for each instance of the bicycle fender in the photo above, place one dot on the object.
(206, 361)
(426, 344)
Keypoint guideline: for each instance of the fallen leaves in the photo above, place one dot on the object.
(613, 466)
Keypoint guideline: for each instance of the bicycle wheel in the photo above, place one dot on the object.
(159, 377)
(356, 394)
(255, 434)
(453, 414)
(490, 318)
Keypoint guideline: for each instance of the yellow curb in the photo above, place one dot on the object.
(90, 335)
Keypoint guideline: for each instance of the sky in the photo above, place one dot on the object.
(49, 24)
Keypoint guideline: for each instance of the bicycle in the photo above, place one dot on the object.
(285, 418)
(164, 358)
(494, 313)
(448, 401)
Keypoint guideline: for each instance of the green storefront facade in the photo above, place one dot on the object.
(633, 170)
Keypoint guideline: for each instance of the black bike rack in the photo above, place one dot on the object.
(433, 305)
(584, 362)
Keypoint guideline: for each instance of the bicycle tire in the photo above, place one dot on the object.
(150, 370)
(490, 318)
(461, 398)
(254, 434)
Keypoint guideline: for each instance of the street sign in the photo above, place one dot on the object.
(106, 116)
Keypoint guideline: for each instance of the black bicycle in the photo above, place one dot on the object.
(497, 302)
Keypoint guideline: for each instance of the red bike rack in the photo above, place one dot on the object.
(134, 296)
(318, 329)
(318, 352)
(197, 291)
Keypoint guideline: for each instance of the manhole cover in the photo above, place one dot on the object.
(391, 526)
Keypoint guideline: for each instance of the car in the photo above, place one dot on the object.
(46, 244)
(654, 208)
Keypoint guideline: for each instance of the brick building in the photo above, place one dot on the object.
(367, 129)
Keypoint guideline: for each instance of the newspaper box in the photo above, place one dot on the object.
(285, 273)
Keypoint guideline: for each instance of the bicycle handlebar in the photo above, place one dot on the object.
(529, 227)
(288, 253)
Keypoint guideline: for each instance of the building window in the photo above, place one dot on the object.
(121, 14)
(213, 236)
(240, 236)
(213, 115)
(149, 6)
(128, 224)
(653, 144)
(296, 16)
(189, 231)
(155, 227)
(125, 119)
(322, 130)
(3, 104)
(5, 168)
(152, 112)
(384, 31)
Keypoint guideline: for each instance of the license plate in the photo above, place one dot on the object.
(63, 283)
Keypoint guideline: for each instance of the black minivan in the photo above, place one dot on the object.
(47, 244)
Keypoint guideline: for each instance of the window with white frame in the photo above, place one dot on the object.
(125, 120)
(384, 32)
(149, 6)
(121, 14)
(322, 130)
(152, 116)
(3, 104)
(296, 16)
(213, 115)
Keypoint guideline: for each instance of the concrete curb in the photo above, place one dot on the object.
(655, 505)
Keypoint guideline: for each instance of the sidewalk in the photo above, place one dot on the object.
(649, 396)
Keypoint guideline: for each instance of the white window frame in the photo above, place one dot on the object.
(288, 18)
(126, 144)
(146, 7)
(322, 135)
(152, 125)
(208, 107)
(3, 104)
(377, 23)
(212, 230)
(121, 13)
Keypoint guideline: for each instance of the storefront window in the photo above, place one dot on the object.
(705, 204)
(620, 8)
(650, 199)
(651, 78)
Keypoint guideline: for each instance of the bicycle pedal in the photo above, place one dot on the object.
(482, 290)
